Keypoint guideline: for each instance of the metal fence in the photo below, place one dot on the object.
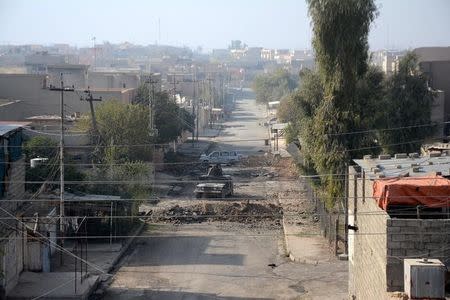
(331, 223)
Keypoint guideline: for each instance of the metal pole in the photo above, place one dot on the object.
(193, 109)
(75, 257)
(110, 225)
(61, 165)
(346, 186)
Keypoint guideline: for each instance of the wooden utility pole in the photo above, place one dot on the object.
(91, 99)
(62, 89)
(151, 104)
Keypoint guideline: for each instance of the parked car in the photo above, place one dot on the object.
(221, 157)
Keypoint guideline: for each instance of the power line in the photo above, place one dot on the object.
(234, 234)
(58, 247)
(254, 199)
(387, 129)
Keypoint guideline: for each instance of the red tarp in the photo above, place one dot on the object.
(431, 191)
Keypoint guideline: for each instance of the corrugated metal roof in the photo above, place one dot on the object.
(6, 128)
(414, 166)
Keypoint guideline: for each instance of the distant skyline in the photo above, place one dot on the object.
(401, 24)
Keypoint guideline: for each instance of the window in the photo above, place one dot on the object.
(225, 154)
(215, 154)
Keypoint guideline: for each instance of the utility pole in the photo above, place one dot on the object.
(174, 83)
(194, 110)
(211, 100)
(151, 104)
(90, 98)
(61, 159)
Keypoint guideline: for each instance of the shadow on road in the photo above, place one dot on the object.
(141, 294)
(154, 252)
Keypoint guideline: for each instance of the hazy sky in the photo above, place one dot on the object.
(209, 23)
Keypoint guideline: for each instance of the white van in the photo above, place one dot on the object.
(220, 157)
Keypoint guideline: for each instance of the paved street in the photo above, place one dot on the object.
(224, 260)
(244, 130)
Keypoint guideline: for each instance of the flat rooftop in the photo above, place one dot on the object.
(405, 164)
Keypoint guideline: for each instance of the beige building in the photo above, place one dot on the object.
(434, 62)
(29, 95)
(380, 239)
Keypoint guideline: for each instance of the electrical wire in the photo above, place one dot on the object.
(58, 247)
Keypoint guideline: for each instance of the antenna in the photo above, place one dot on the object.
(159, 31)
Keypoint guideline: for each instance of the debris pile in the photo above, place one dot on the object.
(243, 212)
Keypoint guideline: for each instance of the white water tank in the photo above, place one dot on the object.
(424, 278)
(34, 162)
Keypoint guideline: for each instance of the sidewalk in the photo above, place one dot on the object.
(53, 285)
(60, 283)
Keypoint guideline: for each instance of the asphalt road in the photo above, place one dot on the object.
(223, 260)
(244, 131)
(204, 261)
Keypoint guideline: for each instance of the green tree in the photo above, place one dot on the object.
(407, 102)
(340, 40)
(170, 119)
(40, 146)
(273, 86)
(123, 129)
(43, 146)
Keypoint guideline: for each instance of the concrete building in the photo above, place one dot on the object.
(379, 237)
(267, 54)
(282, 56)
(73, 75)
(12, 176)
(434, 62)
(38, 62)
(29, 95)
(113, 79)
(220, 54)
(387, 60)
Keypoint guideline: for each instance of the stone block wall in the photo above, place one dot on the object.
(414, 238)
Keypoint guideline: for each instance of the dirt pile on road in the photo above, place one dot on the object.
(242, 212)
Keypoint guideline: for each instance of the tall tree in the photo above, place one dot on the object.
(340, 40)
(407, 103)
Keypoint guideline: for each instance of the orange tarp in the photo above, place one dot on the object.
(432, 191)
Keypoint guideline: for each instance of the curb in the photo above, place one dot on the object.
(125, 247)
(288, 252)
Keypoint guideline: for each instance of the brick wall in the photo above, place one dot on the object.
(412, 238)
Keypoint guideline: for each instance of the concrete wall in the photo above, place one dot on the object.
(113, 80)
(72, 77)
(15, 187)
(11, 265)
(438, 73)
(367, 246)
(414, 238)
(438, 113)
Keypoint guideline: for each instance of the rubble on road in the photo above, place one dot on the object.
(243, 212)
